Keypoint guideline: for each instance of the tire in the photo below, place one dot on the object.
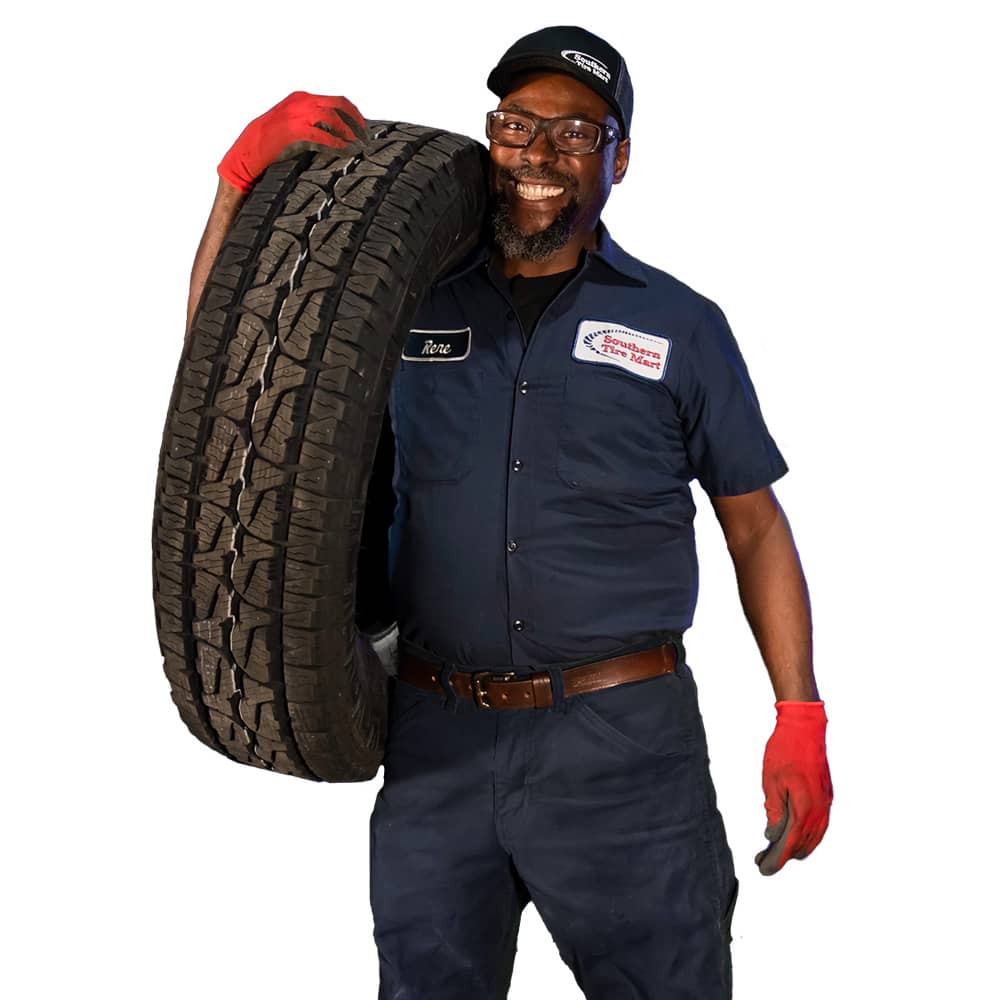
(270, 439)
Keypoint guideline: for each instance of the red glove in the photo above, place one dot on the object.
(797, 786)
(300, 117)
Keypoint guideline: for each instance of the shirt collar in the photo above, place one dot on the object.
(607, 252)
(611, 254)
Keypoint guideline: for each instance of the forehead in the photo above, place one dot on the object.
(555, 95)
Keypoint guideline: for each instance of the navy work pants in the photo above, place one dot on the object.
(600, 811)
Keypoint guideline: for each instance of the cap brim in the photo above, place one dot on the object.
(500, 80)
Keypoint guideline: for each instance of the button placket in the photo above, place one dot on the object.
(518, 416)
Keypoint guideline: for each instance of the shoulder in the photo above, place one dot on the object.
(685, 309)
(463, 282)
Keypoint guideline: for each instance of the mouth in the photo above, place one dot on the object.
(541, 187)
(537, 192)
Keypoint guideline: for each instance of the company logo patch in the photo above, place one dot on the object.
(589, 63)
(642, 354)
(438, 345)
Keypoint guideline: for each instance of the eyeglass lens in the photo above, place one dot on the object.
(570, 135)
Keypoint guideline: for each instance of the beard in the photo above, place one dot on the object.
(514, 243)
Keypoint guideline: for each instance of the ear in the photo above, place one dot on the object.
(621, 160)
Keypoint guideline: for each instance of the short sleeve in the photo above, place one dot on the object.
(728, 444)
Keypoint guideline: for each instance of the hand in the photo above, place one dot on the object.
(300, 117)
(798, 790)
(384, 644)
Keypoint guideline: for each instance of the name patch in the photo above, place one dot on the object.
(438, 345)
(642, 354)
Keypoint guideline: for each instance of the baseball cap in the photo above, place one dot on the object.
(576, 52)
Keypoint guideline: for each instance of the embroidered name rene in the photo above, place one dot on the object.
(437, 345)
(642, 354)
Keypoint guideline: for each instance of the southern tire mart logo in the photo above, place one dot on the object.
(589, 63)
(639, 353)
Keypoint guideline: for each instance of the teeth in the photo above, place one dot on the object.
(535, 192)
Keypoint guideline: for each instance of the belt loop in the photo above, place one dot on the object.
(450, 701)
(558, 690)
(675, 641)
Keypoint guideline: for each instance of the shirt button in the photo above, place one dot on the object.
(523, 387)
(516, 465)
(512, 546)
(517, 625)
(510, 314)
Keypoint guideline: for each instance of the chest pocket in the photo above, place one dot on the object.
(615, 436)
(436, 419)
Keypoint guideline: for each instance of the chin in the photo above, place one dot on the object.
(515, 244)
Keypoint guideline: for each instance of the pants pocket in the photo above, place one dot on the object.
(650, 717)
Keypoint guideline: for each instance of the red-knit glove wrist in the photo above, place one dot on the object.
(798, 790)
(300, 117)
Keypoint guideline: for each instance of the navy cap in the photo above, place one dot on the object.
(573, 51)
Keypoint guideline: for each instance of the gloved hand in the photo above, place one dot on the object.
(300, 117)
(798, 790)
(385, 645)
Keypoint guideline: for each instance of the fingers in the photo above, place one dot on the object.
(814, 825)
(775, 796)
(312, 136)
(773, 858)
(796, 833)
(325, 127)
(353, 121)
(341, 129)
(336, 115)
(335, 111)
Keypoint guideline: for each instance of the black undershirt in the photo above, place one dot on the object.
(531, 295)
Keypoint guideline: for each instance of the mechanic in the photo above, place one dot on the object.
(554, 400)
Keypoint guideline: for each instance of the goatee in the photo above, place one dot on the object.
(515, 243)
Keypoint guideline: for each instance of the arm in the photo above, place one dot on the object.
(227, 203)
(798, 791)
(772, 589)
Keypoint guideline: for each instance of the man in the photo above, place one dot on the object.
(545, 740)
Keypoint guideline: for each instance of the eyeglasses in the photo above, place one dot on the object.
(576, 136)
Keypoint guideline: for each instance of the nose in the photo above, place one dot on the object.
(539, 150)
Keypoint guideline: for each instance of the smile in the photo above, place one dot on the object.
(537, 192)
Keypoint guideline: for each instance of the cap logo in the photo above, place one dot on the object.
(589, 63)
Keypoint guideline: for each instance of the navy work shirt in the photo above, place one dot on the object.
(543, 509)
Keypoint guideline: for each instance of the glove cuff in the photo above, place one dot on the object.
(233, 179)
(801, 711)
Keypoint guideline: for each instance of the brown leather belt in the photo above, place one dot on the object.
(497, 689)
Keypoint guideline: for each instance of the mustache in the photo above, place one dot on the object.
(536, 176)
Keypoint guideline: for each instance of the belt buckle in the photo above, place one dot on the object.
(479, 692)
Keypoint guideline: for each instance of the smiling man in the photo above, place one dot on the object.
(546, 741)
(549, 199)
(553, 403)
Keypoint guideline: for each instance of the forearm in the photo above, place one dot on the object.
(775, 600)
(227, 204)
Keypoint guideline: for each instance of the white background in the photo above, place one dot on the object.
(826, 172)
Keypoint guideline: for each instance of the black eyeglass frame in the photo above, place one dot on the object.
(607, 133)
